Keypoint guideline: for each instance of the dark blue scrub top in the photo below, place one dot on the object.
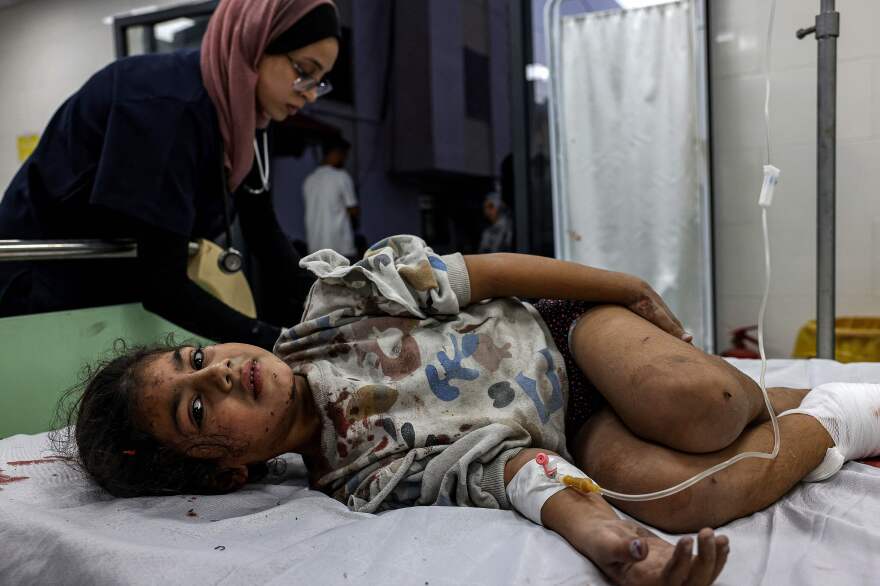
(139, 141)
(137, 153)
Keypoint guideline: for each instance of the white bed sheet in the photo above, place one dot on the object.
(56, 527)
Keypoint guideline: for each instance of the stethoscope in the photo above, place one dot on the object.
(231, 260)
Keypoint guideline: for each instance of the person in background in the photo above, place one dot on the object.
(498, 236)
(154, 148)
(331, 206)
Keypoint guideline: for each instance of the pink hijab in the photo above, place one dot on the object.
(236, 38)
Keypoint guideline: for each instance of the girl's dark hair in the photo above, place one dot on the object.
(99, 433)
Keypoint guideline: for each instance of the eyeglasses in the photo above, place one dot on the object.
(306, 83)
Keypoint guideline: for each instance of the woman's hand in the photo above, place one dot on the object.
(647, 303)
(629, 554)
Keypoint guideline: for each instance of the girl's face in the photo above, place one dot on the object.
(234, 395)
(275, 93)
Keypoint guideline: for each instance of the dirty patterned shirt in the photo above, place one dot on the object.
(423, 397)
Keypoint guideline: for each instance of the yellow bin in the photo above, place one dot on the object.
(857, 339)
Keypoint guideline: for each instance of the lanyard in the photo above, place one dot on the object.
(262, 166)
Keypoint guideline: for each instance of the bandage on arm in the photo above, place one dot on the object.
(542, 477)
(582, 519)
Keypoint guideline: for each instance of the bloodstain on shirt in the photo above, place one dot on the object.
(336, 413)
(381, 445)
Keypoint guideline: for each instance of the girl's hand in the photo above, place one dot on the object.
(648, 304)
(629, 554)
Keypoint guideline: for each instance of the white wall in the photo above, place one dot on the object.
(738, 33)
(48, 48)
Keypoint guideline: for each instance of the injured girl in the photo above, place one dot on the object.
(418, 379)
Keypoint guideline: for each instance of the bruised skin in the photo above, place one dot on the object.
(672, 563)
(618, 460)
(237, 424)
(675, 412)
(664, 389)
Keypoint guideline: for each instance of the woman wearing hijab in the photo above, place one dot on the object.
(151, 147)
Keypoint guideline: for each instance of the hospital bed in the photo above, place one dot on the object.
(58, 527)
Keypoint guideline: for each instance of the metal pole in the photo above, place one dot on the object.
(558, 184)
(32, 250)
(521, 48)
(827, 30)
(29, 250)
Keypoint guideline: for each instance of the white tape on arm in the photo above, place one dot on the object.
(530, 487)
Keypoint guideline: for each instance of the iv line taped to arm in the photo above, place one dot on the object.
(771, 178)
(539, 479)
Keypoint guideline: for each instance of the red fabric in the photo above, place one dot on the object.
(872, 462)
(237, 36)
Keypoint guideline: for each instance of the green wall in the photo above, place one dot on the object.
(42, 355)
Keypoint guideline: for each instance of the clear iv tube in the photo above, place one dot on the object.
(762, 382)
(773, 419)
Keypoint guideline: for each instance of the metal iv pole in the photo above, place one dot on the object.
(827, 29)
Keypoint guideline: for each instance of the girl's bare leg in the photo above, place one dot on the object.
(619, 460)
(664, 390)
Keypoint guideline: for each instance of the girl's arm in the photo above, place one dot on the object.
(522, 275)
(625, 551)
(506, 274)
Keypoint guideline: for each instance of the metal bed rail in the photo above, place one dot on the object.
(31, 250)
